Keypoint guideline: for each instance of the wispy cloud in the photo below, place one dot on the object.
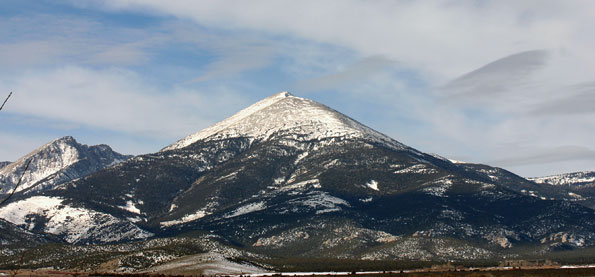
(69, 40)
(442, 37)
(506, 75)
(29, 53)
(237, 59)
(118, 100)
(574, 100)
(354, 73)
(557, 154)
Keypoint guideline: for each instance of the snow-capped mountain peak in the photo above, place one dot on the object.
(53, 158)
(46, 160)
(283, 114)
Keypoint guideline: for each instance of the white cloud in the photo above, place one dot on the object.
(28, 53)
(117, 100)
(444, 38)
(364, 69)
(558, 154)
(508, 74)
(47, 40)
(120, 54)
(237, 59)
(577, 99)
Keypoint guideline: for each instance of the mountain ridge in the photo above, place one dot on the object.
(567, 179)
(274, 182)
(56, 162)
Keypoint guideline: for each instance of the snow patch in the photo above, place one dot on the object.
(131, 207)
(417, 169)
(73, 223)
(228, 176)
(331, 163)
(439, 187)
(322, 202)
(186, 218)
(135, 219)
(456, 162)
(278, 181)
(301, 185)
(330, 210)
(250, 208)
(373, 185)
(300, 157)
(366, 200)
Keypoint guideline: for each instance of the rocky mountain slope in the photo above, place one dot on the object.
(585, 178)
(71, 222)
(3, 164)
(57, 162)
(13, 237)
(289, 177)
(578, 187)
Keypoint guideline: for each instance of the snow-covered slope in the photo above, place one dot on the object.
(578, 187)
(59, 161)
(567, 179)
(286, 115)
(73, 224)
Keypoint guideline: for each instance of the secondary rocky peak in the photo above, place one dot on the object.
(64, 147)
(54, 157)
(283, 114)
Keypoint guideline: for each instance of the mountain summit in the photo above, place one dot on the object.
(57, 162)
(285, 115)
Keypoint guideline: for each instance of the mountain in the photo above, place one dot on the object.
(284, 115)
(3, 164)
(291, 178)
(52, 164)
(57, 162)
(577, 179)
(578, 187)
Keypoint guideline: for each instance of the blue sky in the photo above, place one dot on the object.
(508, 83)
